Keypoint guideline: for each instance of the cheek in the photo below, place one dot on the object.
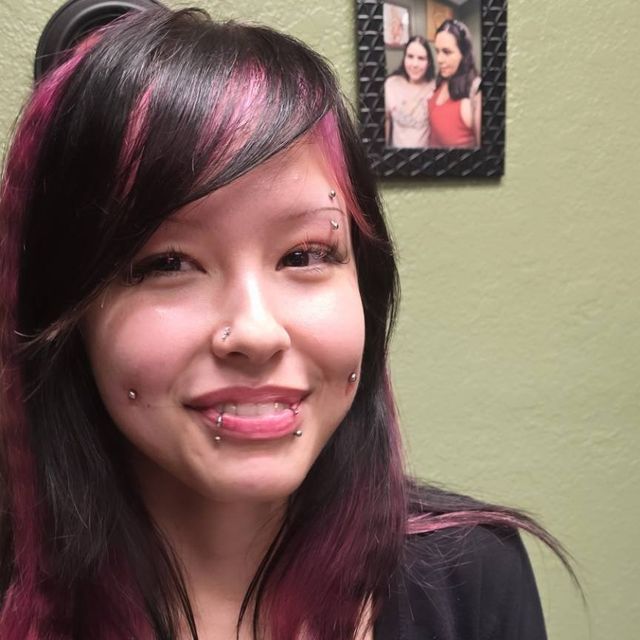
(330, 327)
(141, 346)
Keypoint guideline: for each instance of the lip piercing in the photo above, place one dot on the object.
(297, 433)
(335, 225)
(219, 420)
(226, 332)
(332, 194)
(353, 377)
(132, 394)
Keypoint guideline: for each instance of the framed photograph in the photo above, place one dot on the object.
(396, 24)
(434, 106)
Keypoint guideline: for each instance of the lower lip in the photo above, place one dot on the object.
(267, 427)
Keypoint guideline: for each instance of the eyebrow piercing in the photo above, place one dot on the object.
(335, 225)
(353, 377)
(132, 394)
(297, 433)
(226, 332)
(332, 194)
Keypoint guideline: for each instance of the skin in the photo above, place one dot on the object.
(448, 57)
(416, 62)
(297, 321)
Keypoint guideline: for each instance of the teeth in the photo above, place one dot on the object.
(252, 408)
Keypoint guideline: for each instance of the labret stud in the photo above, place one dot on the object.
(132, 394)
(353, 377)
(217, 438)
(297, 433)
(332, 194)
(335, 225)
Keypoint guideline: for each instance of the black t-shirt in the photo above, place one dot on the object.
(463, 584)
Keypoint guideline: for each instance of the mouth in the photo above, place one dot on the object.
(244, 413)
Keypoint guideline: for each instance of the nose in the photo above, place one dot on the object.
(251, 331)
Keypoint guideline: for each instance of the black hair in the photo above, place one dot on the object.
(430, 72)
(461, 83)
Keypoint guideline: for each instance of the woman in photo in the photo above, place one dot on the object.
(199, 438)
(406, 93)
(455, 108)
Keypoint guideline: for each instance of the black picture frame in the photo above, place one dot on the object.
(485, 161)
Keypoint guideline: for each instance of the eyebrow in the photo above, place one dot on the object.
(295, 215)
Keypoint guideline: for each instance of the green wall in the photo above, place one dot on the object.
(517, 355)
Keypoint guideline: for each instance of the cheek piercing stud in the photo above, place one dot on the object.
(353, 377)
(335, 225)
(226, 332)
(132, 394)
(297, 433)
(332, 194)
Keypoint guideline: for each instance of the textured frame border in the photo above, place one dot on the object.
(488, 160)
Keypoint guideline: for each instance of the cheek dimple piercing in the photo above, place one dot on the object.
(353, 377)
(332, 194)
(226, 332)
(132, 394)
(335, 225)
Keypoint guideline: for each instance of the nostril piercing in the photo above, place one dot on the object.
(332, 194)
(335, 225)
(226, 332)
(132, 394)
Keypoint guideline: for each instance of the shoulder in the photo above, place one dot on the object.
(474, 583)
(394, 81)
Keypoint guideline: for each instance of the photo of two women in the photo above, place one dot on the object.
(432, 91)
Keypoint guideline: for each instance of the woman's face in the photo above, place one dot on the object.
(448, 55)
(243, 305)
(416, 62)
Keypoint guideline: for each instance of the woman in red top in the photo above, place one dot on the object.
(455, 106)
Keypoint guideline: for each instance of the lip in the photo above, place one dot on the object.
(263, 427)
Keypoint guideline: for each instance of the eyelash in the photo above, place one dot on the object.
(160, 265)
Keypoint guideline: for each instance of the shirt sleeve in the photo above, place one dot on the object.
(464, 584)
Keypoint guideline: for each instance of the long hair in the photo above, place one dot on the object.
(430, 72)
(461, 82)
(154, 112)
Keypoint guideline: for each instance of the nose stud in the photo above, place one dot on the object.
(226, 332)
(335, 225)
(132, 394)
(332, 194)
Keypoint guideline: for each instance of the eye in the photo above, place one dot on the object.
(160, 265)
(312, 255)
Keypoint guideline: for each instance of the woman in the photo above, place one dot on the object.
(199, 437)
(406, 93)
(455, 108)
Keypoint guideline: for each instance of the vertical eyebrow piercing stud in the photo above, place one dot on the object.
(132, 394)
(335, 225)
(226, 332)
(297, 433)
(353, 377)
(332, 194)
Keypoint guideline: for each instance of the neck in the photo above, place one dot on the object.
(219, 543)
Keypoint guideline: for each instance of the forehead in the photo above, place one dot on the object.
(446, 39)
(290, 186)
(416, 49)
